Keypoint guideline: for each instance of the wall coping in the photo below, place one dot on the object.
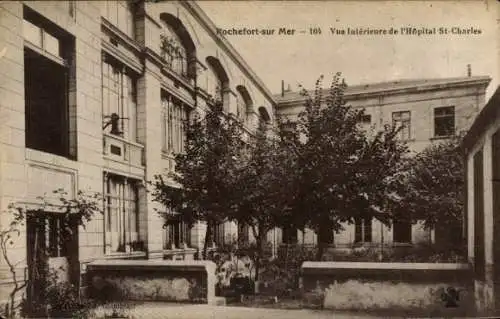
(312, 265)
(158, 265)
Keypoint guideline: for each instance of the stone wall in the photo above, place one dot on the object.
(410, 288)
(152, 280)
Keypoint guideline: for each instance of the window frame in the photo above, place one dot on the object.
(405, 124)
(126, 103)
(443, 117)
(122, 202)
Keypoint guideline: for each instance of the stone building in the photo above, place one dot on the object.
(481, 148)
(93, 94)
(429, 111)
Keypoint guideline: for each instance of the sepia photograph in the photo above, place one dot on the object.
(249, 159)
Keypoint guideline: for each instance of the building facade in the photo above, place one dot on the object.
(93, 95)
(481, 147)
(429, 111)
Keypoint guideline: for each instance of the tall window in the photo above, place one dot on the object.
(402, 119)
(174, 115)
(363, 230)
(121, 15)
(119, 99)
(121, 217)
(401, 231)
(444, 121)
(177, 233)
(243, 233)
(479, 258)
(173, 51)
(240, 106)
(214, 84)
(47, 64)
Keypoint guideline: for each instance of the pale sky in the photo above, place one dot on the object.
(301, 58)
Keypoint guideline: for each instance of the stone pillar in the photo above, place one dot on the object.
(149, 134)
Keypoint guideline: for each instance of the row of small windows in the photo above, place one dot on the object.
(444, 122)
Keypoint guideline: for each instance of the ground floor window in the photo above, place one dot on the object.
(363, 230)
(177, 233)
(401, 231)
(243, 233)
(219, 234)
(121, 217)
(290, 235)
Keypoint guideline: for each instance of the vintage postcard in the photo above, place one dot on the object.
(249, 159)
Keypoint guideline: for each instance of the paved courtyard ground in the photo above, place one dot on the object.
(188, 311)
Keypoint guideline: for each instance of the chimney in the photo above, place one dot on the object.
(289, 88)
(282, 88)
(469, 71)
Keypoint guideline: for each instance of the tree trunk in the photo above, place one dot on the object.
(208, 238)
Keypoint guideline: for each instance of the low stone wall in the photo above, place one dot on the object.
(152, 280)
(420, 289)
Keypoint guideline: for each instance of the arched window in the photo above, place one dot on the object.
(217, 80)
(177, 47)
(173, 51)
(243, 102)
(214, 84)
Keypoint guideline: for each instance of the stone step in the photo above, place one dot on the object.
(217, 301)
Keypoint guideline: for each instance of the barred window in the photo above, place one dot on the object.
(121, 213)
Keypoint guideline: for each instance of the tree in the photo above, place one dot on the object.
(433, 190)
(72, 212)
(203, 185)
(262, 192)
(344, 172)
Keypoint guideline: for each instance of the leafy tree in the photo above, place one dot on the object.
(203, 185)
(433, 190)
(262, 186)
(345, 172)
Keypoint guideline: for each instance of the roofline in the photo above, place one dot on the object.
(475, 81)
(226, 45)
(489, 113)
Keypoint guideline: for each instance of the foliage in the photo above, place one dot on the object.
(263, 201)
(60, 299)
(343, 171)
(434, 186)
(203, 186)
(72, 213)
(422, 254)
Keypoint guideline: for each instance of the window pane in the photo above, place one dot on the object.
(51, 44)
(32, 33)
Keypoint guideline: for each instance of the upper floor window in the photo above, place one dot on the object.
(402, 120)
(47, 70)
(444, 121)
(214, 84)
(174, 115)
(121, 216)
(174, 52)
(121, 15)
(119, 99)
(240, 106)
